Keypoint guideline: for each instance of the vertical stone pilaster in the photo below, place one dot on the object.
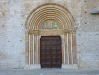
(39, 49)
(69, 47)
(74, 49)
(33, 49)
(26, 47)
(36, 49)
(29, 49)
(62, 48)
(67, 52)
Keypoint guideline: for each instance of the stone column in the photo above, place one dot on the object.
(74, 49)
(32, 50)
(26, 46)
(66, 44)
(36, 49)
(62, 37)
(69, 49)
(39, 49)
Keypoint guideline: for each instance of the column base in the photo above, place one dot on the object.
(36, 66)
(69, 66)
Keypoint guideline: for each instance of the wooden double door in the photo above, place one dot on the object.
(50, 52)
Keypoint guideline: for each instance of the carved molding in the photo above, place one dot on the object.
(52, 32)
(69, 30)
(34, 32)
(38, 16)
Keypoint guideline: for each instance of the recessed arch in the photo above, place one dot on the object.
(63, 17)
(50, 25)
(50, 11)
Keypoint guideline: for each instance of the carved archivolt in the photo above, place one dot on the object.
(50, 12)
(50, 20)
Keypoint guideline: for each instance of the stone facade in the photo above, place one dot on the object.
(13, 17)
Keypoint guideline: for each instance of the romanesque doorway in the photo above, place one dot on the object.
(47, 22)
(50, 52)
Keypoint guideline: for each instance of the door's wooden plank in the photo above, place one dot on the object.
(50, 52)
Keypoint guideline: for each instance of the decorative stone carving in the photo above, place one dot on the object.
(54, 12)
(34, 32)
(69, 30)
(50, 24)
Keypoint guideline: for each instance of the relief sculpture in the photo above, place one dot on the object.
(50, 24)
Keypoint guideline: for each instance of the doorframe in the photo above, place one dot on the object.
(61, 48)
(33, 23)
(63, 38)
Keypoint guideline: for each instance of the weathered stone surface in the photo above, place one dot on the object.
(13, 15)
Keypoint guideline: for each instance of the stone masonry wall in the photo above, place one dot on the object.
(88, 36)
(12, 34)
(13, 15)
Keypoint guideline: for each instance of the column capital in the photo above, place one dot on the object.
(69, 30)
(34, 32)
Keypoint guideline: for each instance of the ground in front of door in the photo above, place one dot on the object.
(48, 72)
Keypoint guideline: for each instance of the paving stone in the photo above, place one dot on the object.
(49, 72)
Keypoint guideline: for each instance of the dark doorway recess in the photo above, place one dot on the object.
(50, 52)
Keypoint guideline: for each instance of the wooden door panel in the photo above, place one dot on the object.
(51, 56)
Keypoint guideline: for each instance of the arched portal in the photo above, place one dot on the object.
(50, 20)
